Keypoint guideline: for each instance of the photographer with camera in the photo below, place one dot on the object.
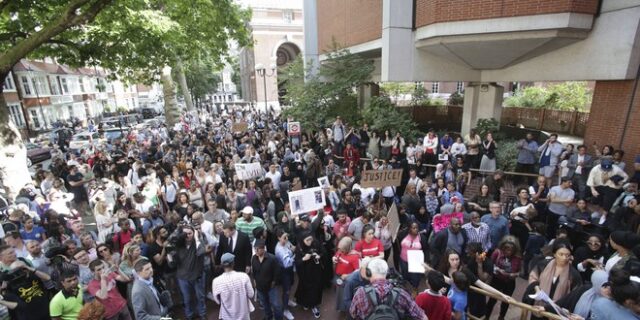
(309, 268)
(188, 257)
(381, 299)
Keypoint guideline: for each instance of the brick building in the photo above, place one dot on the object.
(484, 44)
(40, 93)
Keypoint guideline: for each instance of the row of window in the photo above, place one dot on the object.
(435, 87)
(56, 85)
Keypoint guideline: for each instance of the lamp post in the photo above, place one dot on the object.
(262, 71)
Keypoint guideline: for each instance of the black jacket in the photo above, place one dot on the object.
(439, 245)
(265, 273)
(242, 251)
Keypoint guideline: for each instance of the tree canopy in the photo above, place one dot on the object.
(566, 96)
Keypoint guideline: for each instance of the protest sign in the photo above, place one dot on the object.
(324, 182)
(381, 178)
(247, 171)
(306, 200)
(240, 127)
(394, 221)
(415, 258)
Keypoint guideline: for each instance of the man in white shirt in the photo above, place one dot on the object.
(275, 176)
(606, 181)
(413, 178)
(233, 291)
(561, 197)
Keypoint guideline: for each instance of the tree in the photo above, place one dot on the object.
(397, 89)
(135, 39)
(456, 99)
(420, 96)
(382, 115)
(330, 93)
(566, 96)
(236, 76)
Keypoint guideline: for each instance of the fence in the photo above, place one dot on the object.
(568, 122)
(450, 118)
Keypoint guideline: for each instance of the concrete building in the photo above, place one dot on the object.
(484, 42)
(277, 33)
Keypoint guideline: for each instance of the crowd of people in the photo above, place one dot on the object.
(175, 226)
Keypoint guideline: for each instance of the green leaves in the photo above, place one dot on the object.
(567, 96)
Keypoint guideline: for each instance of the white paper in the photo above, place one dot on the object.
(415, 258)
(544, 297)
(306, 200)
(247, 171)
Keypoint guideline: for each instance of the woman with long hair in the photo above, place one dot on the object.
(556, 277)
(104, 220)
(507, 261)
(489, 146)
(130, 255)
(369, 246)
(622, 242)
(480, 202)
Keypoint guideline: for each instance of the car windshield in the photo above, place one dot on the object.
(112, 134)
(81, 137)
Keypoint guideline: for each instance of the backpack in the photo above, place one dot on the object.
(384, 310)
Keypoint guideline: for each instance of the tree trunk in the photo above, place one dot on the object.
(182, 82)
(171, 111)
(14, 173)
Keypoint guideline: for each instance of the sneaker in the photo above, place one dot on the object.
(316, 312)
(292, 304)
(210, 296)
(305, 308)
(287, 314)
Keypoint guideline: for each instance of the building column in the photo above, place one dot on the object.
(397, 40)
(614, 118)
(311, 52)
(366, 92)
(482, 100)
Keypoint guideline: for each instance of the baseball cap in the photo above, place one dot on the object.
(606, 164)
(305, 217)
(227, 259)
(247, 210)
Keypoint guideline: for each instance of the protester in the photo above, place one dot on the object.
(233, 291)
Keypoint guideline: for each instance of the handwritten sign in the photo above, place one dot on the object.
(240, 127)
(381, 178)
(394, 221)
(248, 171)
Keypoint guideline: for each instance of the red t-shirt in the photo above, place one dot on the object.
(114, 301)
(347, 263)
(435, 307)
(372, 249)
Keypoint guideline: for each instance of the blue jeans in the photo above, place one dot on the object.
(269, 301)
(287, 282)
(187, 287)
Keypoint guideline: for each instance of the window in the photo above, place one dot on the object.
(459, 87)
(287, 15)
(25, 85)
(65, 87)
(34, 118)
(53, 84)
(435, 87)
(40, 85)
(70, 109)
(16, 115)
(8, 83)
(81, 82)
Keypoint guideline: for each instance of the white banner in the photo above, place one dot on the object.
(306, 200)
(248, 171)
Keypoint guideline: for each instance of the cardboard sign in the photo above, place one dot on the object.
(381, 178)
(394, 221)
(294, 128)
(240, 127)
(248, 171)
(306, 200)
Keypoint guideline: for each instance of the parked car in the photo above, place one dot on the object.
(85, 139)
(114, 134)
(36, 153)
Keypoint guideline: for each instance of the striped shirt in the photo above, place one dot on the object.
(233, 291)
(481, 234)
(248, 227)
